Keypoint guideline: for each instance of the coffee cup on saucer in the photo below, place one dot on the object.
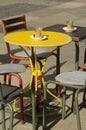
(38, 32)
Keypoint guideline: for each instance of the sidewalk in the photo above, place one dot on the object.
(45, 13)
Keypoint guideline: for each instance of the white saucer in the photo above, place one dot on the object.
(69, 30)
(38, 38)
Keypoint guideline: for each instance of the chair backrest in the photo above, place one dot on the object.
(13, 24)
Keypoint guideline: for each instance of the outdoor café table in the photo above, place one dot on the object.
(25, 38)
(77, 35)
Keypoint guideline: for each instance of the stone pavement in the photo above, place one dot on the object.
(45, 13)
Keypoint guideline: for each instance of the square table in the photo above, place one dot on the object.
(77, 36)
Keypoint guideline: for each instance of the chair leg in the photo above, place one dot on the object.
(58, 61)
(77, 110)
(63, 102)
(73, 101)
(21, 110)
(85, 56)
(5, 78)
(84, 94)
(44, 108)
(11, 116)
(3, 117)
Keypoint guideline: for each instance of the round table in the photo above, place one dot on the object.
(24, 38)
(48, 39)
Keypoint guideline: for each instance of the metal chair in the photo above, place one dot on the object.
(9, 92)
(10, 25)
(75, 81)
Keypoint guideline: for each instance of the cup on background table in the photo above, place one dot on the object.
(69, 24)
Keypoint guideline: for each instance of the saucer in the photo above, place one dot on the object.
(69, 30)
(38, 38)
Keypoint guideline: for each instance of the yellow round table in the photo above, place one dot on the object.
(48, 39)
(26, 38)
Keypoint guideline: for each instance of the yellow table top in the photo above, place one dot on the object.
(24, 38)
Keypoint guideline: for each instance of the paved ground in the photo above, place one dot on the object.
(46, 13)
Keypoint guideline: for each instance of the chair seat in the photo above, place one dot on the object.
(41, 54)
(7, 68)
(10, 92)
(73, 78)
